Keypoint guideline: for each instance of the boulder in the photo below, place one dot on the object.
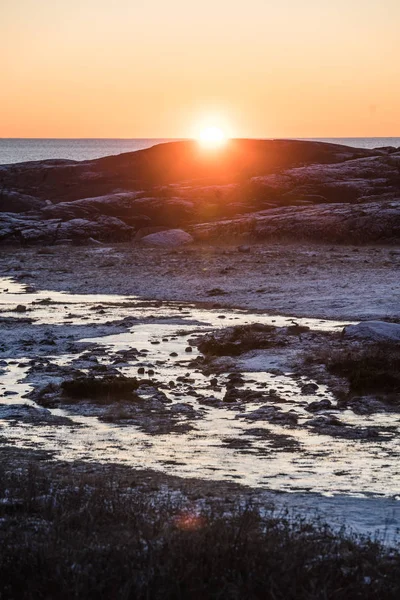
(145, 231)
(168, 238)
(317, 406)
(378, 331)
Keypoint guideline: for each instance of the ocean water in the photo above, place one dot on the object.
(14, 150)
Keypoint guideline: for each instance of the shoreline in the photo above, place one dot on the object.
(298, 280)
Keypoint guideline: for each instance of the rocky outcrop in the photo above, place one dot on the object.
(27, 229)
(341, 223)
(361, 180)
(252, 188)
(66, 180)
(15, 202)
(114, 205)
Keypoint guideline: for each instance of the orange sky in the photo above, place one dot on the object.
(162, 68)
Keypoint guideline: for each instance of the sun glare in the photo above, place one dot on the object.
(212, 137)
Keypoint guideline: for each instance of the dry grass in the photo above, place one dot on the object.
(234, 341)
(368, 369)
(93, 537)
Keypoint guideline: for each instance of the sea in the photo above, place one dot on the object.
(16, 150)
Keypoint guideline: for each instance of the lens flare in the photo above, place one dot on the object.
(189, 521)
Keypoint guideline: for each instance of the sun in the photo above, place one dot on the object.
(212, 137)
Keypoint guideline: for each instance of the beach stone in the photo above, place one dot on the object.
(317, 406)
(209, 400)
(374, 330)
(168, 238)
(309, 388)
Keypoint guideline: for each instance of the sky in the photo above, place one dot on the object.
(168, 68)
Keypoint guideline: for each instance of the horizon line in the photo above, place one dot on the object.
(345, 137)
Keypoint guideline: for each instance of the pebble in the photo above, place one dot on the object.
(21, 308)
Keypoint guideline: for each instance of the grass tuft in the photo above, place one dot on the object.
(234, 341)
(374, 368)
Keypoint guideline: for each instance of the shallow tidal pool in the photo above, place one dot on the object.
(209, 440)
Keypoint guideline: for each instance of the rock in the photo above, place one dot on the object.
(297, 329)
(31, 415)
(264, 413)
(255, 190)
(270, 414)
(231, 396)
(234, 395)
(104, 228)
(14, 202)
(163, 164)
(368, 406)
(326, 420)
(336, 223)
(235, 379)
(209, 400)
(21, 308)
(216, 292)
(233, 341)
(31, 229)
(317, 406)
(374, 330)
(309, 388)
(330, 425)
(168, 238)
(183, 408)
(113, 205)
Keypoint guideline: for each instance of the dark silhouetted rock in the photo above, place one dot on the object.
(65, 180)
(254, 189)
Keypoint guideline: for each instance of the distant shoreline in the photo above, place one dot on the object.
(15, 150)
